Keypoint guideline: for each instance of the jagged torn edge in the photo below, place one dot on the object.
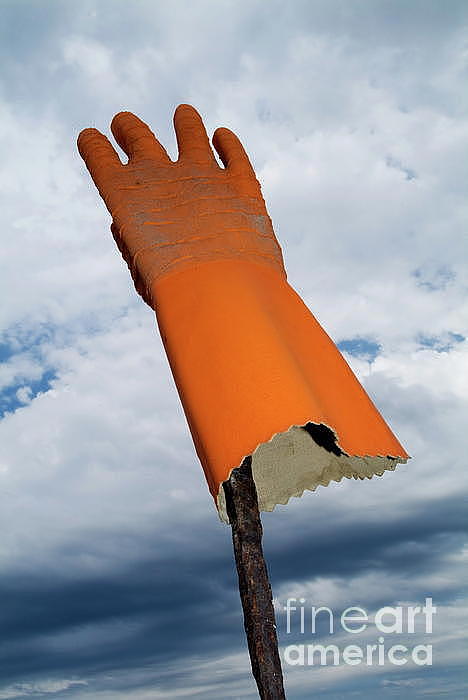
(302, 458)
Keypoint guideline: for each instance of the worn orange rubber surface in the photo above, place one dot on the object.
(249, 359)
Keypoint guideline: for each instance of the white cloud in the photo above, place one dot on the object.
(50, 687)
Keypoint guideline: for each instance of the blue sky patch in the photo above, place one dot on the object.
(435, 279)
(6, 351)
(363, 348)
(23, 388)
(10, 400)
(441, 343)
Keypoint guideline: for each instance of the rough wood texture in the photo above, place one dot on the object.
(254, 586)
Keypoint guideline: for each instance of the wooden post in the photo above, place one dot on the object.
(254, 586)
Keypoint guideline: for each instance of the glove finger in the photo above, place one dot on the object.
(136, 138)
(232, 152)
(99, 156)
(191, 135)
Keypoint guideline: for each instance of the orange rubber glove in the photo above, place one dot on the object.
(168, 216)
(255, 372)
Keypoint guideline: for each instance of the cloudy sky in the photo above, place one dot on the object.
(116, 576)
